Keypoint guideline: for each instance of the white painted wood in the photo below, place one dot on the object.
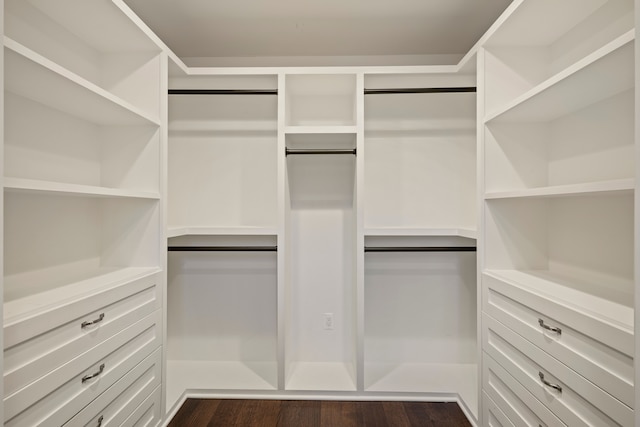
(320, 376)
(492, 415)
(222, 161)
(516, 405)
(104, 47)
(321, 100)
(579, 401)
(33, 186)
(606, 72)
(636, 246)
(615, 187)
(420, 232)
(118, 402)
(421, 155)
(63, 391)
(221, 231)
(2, 174)
(184, 375)
(577, 346)
(33, 358)
(33, 76)
(149, 413)
(359, 236)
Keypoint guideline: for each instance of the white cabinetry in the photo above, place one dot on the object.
(557, 139)
(82, 218)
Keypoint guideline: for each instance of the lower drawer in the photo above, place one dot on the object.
(492, 416)
(572, 398)
(514, 402)
(115, 405)
(148, 414)
(55, 398)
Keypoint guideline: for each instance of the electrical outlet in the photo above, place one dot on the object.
(328, 321)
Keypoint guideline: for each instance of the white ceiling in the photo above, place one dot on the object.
(284, 28)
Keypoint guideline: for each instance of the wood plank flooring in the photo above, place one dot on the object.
(313, 413)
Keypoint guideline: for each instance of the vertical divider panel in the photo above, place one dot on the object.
(163, 188)
(637, 210)
(359, 247)
(283, 315)
(2, 198)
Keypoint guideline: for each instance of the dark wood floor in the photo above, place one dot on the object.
(311, 413)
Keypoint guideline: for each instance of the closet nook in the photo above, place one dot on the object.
(462, 232)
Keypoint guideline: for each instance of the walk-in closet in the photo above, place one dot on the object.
(433, 226)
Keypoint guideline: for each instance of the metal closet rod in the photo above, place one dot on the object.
(420, 249)
(223, 91)
(222, 248)
(319, 151)
(420, 90)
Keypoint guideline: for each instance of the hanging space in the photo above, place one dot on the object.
(222, 267)
(419, 288)
(319, 142)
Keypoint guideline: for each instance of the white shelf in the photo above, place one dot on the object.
(187, 375)
(420, 232)
(35, 77)
(461, 379)
(19, 309)
(613, 187)
(221, 231)
(297, 130)
(577, 294)
(319, 376)
(604, 73)
(49, 187)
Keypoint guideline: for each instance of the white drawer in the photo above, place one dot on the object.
(59, 395)
(515, 403)
(574, 345)
(492, 416)
(32, 358)
(579, 402)
(114, 406)
(149, 413)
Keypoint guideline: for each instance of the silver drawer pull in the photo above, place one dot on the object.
(93, 322)
(549, 328)
(102, 419)
(548, 384)
(88, 377)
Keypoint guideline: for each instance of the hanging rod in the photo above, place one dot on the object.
(419, 248)
(222, 248)
(420, 90)
(318, 151)
(223, 91)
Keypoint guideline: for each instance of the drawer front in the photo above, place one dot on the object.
(492, 416)
(573, 403)
(62, 393)
(33, 358)
(119, 402)
(22, 329)
(149, 413)
(513, 401)
(608, 368)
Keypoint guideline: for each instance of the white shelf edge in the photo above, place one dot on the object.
(320, 376)
(594, 188)
(420, 232)
(76, 79)
(221, 231)
(297, 130)
(607, 311)
(49, 187)
(548, 84)
(33, 305)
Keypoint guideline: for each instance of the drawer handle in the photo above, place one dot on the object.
(100, 420)
(88, 377)
(93, 322)
(549, 328)
(548, 384)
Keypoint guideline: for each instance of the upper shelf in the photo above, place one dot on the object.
(605, 73)
(33, 76)
(221, 231)
(49, 187)
(586, 189)
(299, 130)
(420, 232)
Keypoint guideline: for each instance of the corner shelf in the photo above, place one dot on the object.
(606, 72)
(604, 188)
(35, 77)
(34, 186)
